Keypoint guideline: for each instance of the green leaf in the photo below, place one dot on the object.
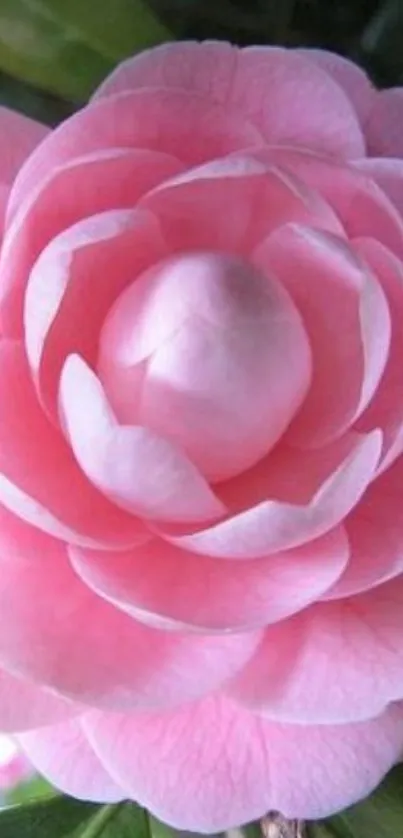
(69, 47)
(64, 817)
(380, 815)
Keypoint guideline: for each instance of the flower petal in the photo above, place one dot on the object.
(230, 204)
(385, 411)
(375, 534)
(63, 636)
(39, 479)
(161, 585)
(131, 465)
(63, 755)
(82, 187)
(19, 135)
(174, 122)
(311, 492)
(335, 662)
(352, 79)
(289, 98)
(73, 285)
(233, 767)
(331, 285)
(384, 128)
(24, 705)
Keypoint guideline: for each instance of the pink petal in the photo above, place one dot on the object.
(63, 636)
(363, 208)
(215, 329)
(384, 128)
(387, 172)
(24, 705)
(133, 466)
(62, 754)
(385, 411)
(288, 97)
(84, 186)
(335, 662)
(159, 584)
(39, 479)
(351, 78)
(233, 767)
(330, 285)
(73, 285)
(309, 493)
(171, 121)
(375, 534)
(232, 203)
(19, 135)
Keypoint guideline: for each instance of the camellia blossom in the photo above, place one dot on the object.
(201, 429)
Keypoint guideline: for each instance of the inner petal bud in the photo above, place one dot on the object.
(209, 353)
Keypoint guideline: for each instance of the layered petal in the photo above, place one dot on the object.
(331, 286)
(386, 408)
(39, 478)
(230, 204)
(385, 124)
(233, 766)
(63, 636)
(335, 662)
(288, 97)
(375, 535)
(24, 705)
(309, 493)
(84, 186)
(73, 284)
(62, 754)
(361, 205)
(19, 136)
(175, 122)
(133, 466)
(161, 585)
(352, 79)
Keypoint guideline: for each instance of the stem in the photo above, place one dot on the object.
(101, 819)
(271, 826)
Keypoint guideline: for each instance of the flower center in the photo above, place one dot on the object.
(211, 354)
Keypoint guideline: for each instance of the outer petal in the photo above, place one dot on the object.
(65, 637)
(387, 172)
(86, 185)
(174, 122)
(73, 284)
(330, 285)
(233, 767)
(24, 705)
(362, 206)
(288, 97)
(386, 408)
(351, 78)
(159, 584)
(335, 662)
(311, 492)
(62, 754)
(19, 135)
(384, 128)
(132, 465)
(39, 479)
(375, 533)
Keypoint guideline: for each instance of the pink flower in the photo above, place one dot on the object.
(201, 428)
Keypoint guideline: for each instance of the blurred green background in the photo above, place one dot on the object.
(54, 52)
